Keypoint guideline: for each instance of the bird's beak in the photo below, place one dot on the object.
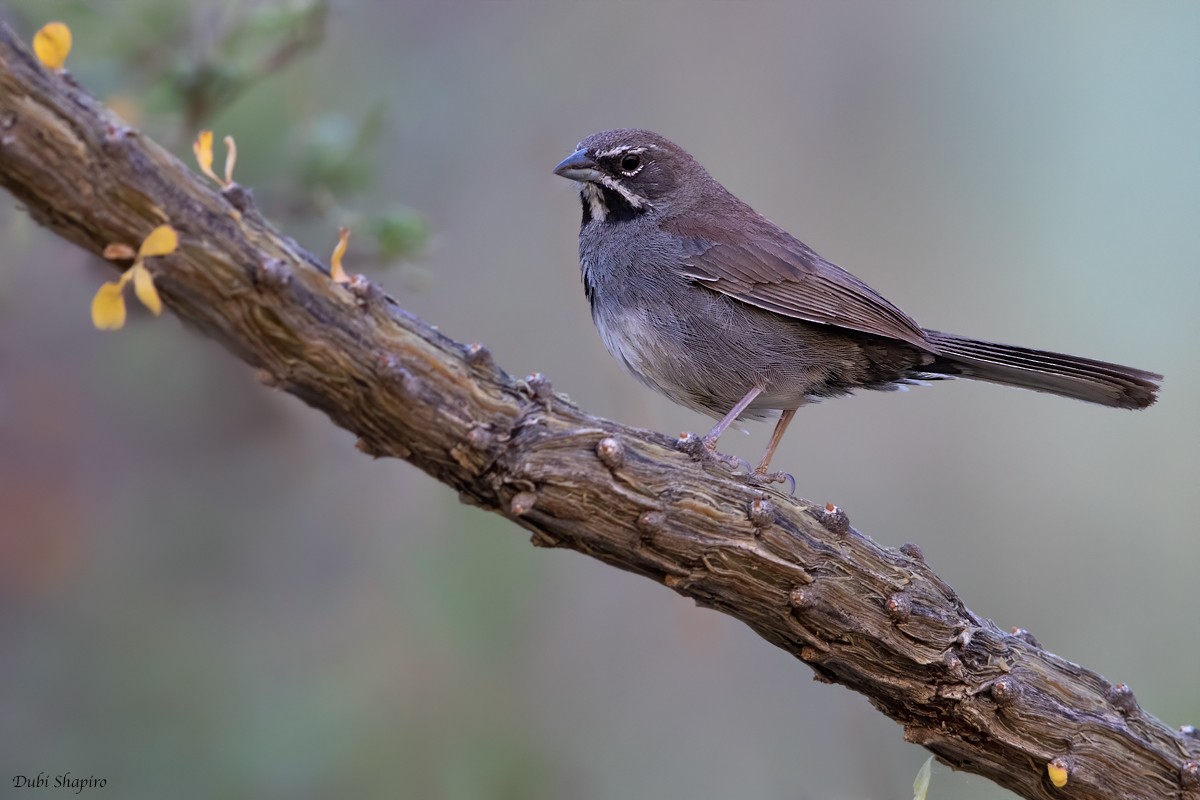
(578, 167)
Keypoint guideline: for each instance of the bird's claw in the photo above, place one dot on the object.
(735, 464)
(705, 450)
(766, 478)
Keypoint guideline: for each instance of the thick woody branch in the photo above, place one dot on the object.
(876, 620)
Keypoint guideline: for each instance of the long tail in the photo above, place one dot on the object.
(1069, 376)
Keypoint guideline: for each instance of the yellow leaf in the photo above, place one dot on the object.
(161, 241)
(143, 287)
(202, 147)
(108, 307)
(335, 264)
(921, 784)
(230, 159)
(1057, 770)
(52, 44)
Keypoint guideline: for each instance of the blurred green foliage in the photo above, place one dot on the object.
(178, 67)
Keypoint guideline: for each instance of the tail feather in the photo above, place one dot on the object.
(1069, 376)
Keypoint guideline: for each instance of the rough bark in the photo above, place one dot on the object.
(871, 618)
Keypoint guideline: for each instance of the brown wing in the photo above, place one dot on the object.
(779, 273)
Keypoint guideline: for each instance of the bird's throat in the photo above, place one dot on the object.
(604, 204)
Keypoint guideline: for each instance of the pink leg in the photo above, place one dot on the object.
(710, 440)
(776, 438)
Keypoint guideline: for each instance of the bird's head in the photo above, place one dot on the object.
(627, 172)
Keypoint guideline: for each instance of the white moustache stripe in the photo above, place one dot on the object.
(635, 200)
(594, 196)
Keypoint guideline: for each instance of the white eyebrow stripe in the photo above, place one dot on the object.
(625, 148)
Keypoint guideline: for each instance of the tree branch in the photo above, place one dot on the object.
(876, 620)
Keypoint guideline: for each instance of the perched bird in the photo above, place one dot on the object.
(726, 313)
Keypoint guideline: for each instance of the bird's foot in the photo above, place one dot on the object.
(705, 450)
(764, 478)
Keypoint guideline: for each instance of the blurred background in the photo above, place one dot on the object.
(206, 591)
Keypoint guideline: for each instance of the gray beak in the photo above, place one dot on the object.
(577, 167)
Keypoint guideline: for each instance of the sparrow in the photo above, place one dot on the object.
(708, 302)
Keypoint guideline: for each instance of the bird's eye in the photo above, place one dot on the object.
(630, 162)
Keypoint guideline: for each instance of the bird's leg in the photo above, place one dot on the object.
(776, 437)
(710, 439)
(707, 447)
